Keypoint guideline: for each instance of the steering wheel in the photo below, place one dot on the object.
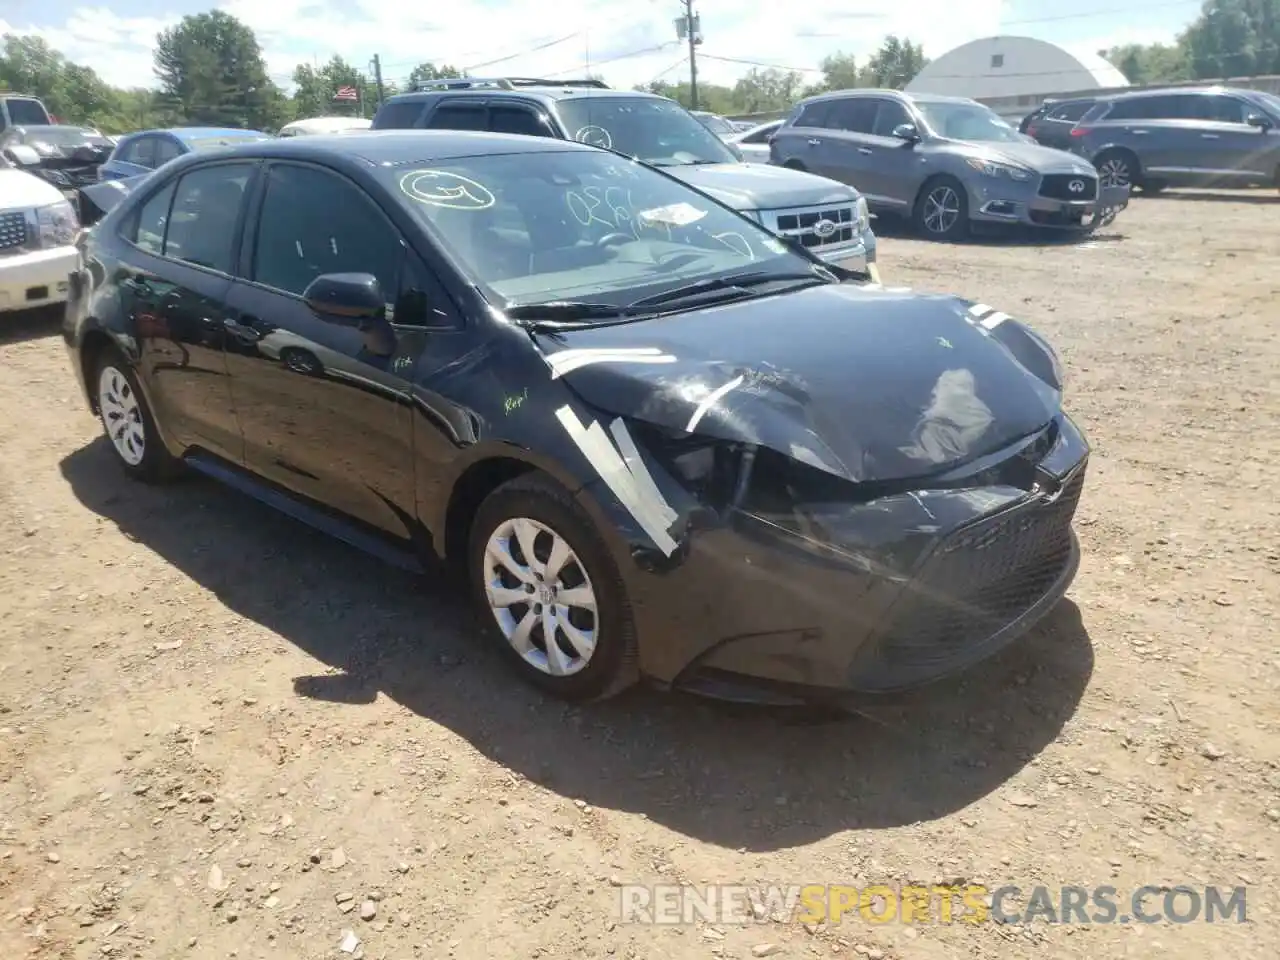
(609, 239)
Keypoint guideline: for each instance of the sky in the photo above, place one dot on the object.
(625, 41)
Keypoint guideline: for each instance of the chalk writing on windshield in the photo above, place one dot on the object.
(737, 243)
(610, 207)
(596, 136)
(440, 188)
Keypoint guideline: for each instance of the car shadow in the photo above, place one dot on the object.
(1260, 196)
(20, 326)
(991, 234)
(751, 778)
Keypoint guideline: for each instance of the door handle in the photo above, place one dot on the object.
(814, 142)
(242, 331)
(866, 150)
(1208, 136)
(1140, 133)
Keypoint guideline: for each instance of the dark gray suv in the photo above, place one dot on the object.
(1196, 137)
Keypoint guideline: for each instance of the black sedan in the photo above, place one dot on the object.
(661, 442)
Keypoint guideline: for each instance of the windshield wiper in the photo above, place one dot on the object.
(560, 314)
(733, 281)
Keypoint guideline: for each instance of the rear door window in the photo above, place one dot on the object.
(458, 116)
(142, 152)
(403, 115)
(855, 115)
(515, 118)
(165, 150)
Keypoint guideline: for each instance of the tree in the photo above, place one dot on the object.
(894, 65)
(211, 71)
(1153, 63)
(1234, 38)
(429, 71)
(762, 91)
(839, 72)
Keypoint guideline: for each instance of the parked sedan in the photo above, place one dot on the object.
(753, 143)
(944, 162)
(140, 153)
(667, 446)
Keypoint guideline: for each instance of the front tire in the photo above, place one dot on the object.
(128, 423)
(942, 210)
(546, 588)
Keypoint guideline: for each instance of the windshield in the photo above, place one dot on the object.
(1268, 100)
(198, 144)
(967, 121)
(66, 137)
(581, 225)
(24, 111)
(656, 131)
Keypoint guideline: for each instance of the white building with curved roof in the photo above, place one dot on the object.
(1015, 70)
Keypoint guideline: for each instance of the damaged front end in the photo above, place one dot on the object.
(863, 508)
(65, 165)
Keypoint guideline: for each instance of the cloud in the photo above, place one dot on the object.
(627, 41)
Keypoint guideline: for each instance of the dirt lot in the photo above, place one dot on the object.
(222, 735)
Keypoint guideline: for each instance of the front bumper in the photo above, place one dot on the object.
(858, 255)
(918, 586)
(997, 200)
(35, 279)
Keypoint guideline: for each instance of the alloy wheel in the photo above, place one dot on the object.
(941, 209)
(1114, 172)
(122, 415)
(541, 596)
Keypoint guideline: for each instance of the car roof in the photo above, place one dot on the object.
(886, 92)
(1177, 91)
(186, 134)
(547, 93)
(386, 148)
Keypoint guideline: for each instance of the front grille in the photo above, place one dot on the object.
(977, 582)
(1057, 186)
(799, 222)
(13, 231)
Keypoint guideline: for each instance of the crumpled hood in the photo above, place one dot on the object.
(753, 186)
(867, 384)
(1030, 155)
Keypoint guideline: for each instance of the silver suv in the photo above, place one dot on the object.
(1199, 137)
(944, 162)
(829, 219)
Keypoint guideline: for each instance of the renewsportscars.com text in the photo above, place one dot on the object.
(971, 904)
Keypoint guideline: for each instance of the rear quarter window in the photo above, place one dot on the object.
(398, 116)
(1097, 112)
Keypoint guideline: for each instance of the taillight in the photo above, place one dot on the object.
(1031, 131)
(1079, 131)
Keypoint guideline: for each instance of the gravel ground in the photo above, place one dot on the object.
(222, 735)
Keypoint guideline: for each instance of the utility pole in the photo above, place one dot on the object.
(689, 27)
(377, 76)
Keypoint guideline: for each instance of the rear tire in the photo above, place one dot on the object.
(583, 604)
(128, 422)
(942, 210)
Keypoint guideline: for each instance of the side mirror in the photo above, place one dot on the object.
(907, 132)
(1258, 120)
(350, 298)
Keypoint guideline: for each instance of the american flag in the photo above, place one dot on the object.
(346, 93)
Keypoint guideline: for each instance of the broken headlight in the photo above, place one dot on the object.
(56, 225)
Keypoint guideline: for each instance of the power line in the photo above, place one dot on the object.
(522, 53)
(662, 73)
(758, 63)
(1104, 12)
(623, 56)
